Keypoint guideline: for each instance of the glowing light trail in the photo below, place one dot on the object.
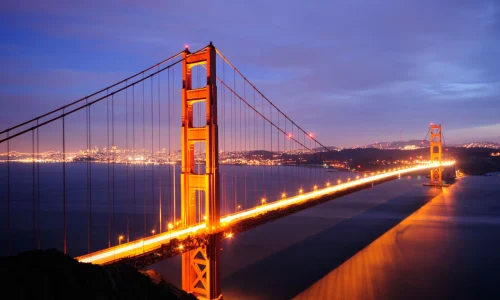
(150, 243)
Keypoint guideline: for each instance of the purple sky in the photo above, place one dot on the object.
(353, 72)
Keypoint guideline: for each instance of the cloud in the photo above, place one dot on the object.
(351, 71)
(477, 133)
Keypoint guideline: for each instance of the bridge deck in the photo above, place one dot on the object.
(242, 220)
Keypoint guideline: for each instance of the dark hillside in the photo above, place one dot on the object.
(50, 274)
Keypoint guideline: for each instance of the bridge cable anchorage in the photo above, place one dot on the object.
(89, 96)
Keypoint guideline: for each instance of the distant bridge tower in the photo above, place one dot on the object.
(200, 267)
(436, 177)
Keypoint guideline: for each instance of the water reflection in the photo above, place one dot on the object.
(433, 254)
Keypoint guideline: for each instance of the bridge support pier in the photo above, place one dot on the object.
(200, 267)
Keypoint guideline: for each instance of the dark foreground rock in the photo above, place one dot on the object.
(50, 274)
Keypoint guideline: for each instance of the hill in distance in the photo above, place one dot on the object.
(417, 144)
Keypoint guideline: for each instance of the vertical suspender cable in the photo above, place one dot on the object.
(64, 183)
(255, 147)
(9, 237)
(87, 127)
(241, 147)
(38, 182)
(279, 155)
(152, 157)
(286, 155)
(127, 197)
(159, 153)
(107, 162)
(263, 146)
(113, 151)
(173, 116)
(245, 149)
(198, 193)
(233, 131)
(33, 185)
(134, 158)
(223, 96)
(271, 168)
(169, 133)
(90, 183)
(144, 157)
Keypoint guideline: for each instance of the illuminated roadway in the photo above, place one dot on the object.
(148, 244)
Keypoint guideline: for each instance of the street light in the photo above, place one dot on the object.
(263, 200)
(170, 226)
(153, 232)
(301, 191)
(239, 207)
(315, 187)
(120, 238)
(283, 195)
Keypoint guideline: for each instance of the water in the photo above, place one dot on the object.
(447, 249)
(135, 196)
(399, 240)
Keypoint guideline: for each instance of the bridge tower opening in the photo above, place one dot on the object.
(200, 267)
(436, 153)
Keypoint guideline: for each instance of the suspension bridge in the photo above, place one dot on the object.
(170, 161)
